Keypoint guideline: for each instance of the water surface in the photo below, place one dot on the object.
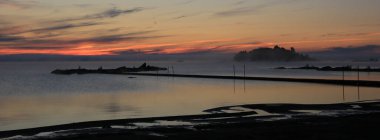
(30, 96)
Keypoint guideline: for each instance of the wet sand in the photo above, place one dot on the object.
(359, 120)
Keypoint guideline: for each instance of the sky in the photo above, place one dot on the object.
(116, 27)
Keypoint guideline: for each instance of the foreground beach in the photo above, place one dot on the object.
(358, 120)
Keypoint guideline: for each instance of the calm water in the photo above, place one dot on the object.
(30, 96)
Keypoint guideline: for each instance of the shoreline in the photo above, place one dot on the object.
(233, 118)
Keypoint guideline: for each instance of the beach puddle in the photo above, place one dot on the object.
(356, 106)
(156, 134)
(216, 118)
(123, 127)
(162, 123)
(260, 112)
(237, 109)
(307, 111)
(52, 134)
(285, 117)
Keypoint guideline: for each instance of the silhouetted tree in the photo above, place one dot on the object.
(267, 54)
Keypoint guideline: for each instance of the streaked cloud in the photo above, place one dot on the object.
(111, 13)
(9, 38)
(64, 27)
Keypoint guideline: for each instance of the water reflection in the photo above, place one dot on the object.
(164, 96)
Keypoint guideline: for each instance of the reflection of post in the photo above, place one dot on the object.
(358, 84)
(234, 86)
(344, 98)
(172, 70)
(233, 67)
(244, 78)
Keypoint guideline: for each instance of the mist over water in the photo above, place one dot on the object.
(30, 96)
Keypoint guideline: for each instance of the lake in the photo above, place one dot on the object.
(30, 96)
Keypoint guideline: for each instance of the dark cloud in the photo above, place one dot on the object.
(351, 53)
(36, 41)
(185, 16)
(111, 13)
(179, 17)
(113, 38)
(128, 52)
(134, 36)
(40, 47)
(63, 27)
(9, 38)
(127, 55)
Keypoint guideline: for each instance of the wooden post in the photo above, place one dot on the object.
(244, 71)
(173, 70)
(344, 98)
(234, 70)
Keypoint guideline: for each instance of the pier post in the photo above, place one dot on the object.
(234, 70)
(172, 70)
(244, 71)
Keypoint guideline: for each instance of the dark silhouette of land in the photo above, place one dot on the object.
(329, 68)
(143, 68)
(348, 121)
(269, 54)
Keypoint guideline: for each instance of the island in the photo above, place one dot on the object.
(330, 68)
(143, 68)
(276, 53)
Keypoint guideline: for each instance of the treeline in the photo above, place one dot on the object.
(276, 53)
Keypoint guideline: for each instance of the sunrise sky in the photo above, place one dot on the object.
(111, 27)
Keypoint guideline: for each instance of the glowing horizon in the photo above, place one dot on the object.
(96, 27)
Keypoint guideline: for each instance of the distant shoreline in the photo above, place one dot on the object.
(287, 120)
